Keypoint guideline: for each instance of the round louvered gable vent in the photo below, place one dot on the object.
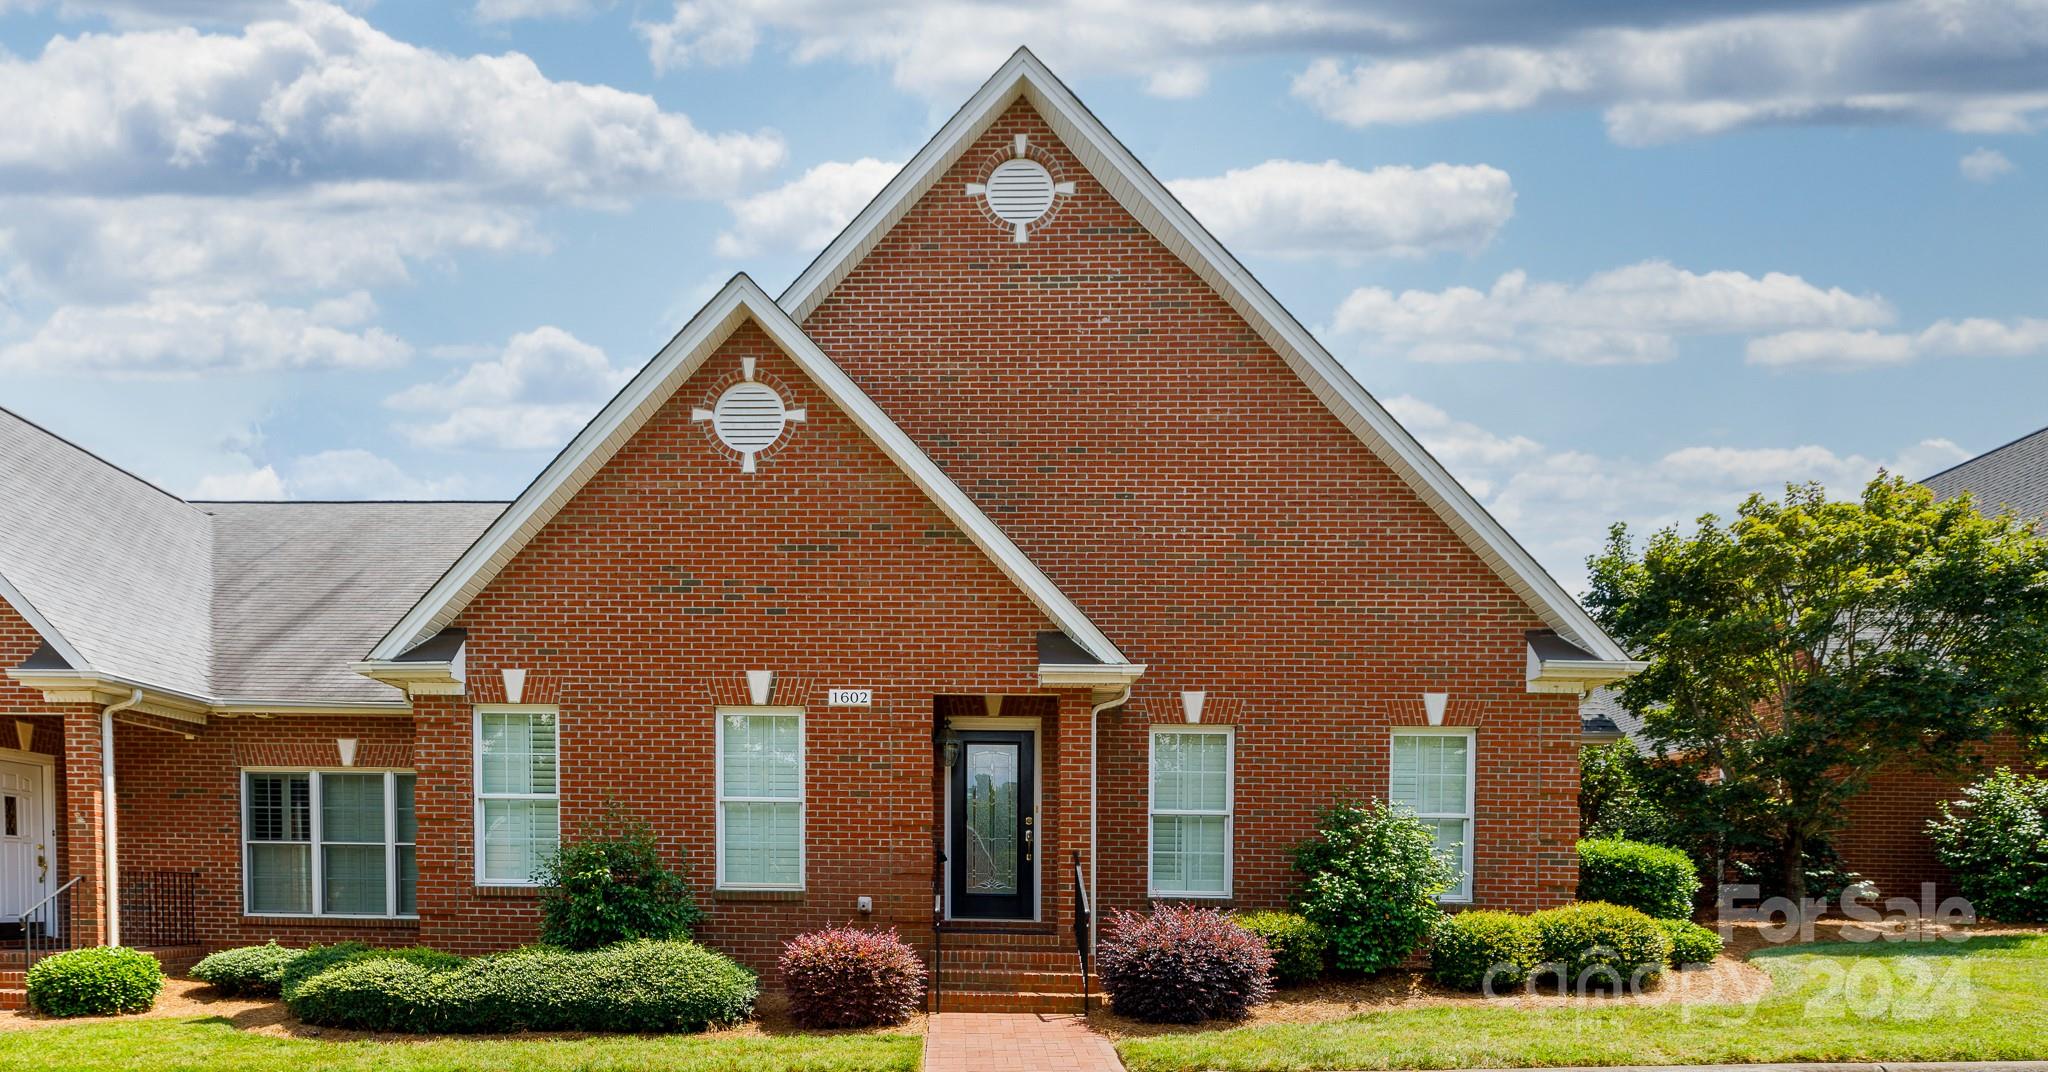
(1019, 191)
(748, 417)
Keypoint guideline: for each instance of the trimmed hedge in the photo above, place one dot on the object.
(1592, 942)
(1182, 966)
(1690, 942)
(1657, 881)
(650, 986)
(851, 977)
(95, 982)
(255, 970)
(1478, 950)
(1298, 944)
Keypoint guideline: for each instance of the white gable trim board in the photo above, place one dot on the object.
(740, 300)
(1147, 199)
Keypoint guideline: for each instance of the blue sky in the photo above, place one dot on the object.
(1610, 261)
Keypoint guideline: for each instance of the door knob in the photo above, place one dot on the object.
(42, 865)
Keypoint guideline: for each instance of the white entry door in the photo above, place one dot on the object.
(27, 858)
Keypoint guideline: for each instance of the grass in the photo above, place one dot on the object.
(213, 1044)
(1986, 999)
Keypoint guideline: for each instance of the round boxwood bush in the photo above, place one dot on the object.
(608, 884)
(1659, 882)
(1690, 942)
(1995, 840)
(1182, 966)
(256, 970)
(1600, 945)
(95, 982)
(1370, 877)
(850, 977)
(1297, 943)
(648, 986)
(1486, 951)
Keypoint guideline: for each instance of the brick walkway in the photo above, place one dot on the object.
(1015, 1042)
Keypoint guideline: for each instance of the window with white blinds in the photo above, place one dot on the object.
(328, 843)
(518, 796)
(1191, 798)
(1432, 776)
(760, 799)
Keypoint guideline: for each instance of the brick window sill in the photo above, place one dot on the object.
(757, 895)
(357, 923)
(508, 893)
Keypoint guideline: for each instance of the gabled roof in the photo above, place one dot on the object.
(739, 301)
(1148, 200)
(2012, 477)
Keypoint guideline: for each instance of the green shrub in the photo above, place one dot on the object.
(255, 970)
(633, 986)
(1617, 798)
(1371, 876)
(1657, 881)
(1995, 839)
(1485, 951)
(1690, 942)
(1298, 944)
(1600, 944)
(95, 982)
(312, 962)
(608, 885)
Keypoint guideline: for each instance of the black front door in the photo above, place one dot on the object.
(993, 833)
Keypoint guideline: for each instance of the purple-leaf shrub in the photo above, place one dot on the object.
(850, 977)
(1182, 966)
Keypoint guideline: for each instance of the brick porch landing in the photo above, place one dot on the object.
(1015, 1042)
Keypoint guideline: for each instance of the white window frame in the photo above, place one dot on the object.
(1229, 734)
(476, 783)
(719, 800)
(1469, 816)
(315, 842)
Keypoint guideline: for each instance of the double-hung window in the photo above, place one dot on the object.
(760, 799)
(328, 843)
(518, 794)
(1432, 776)
(1191, 803)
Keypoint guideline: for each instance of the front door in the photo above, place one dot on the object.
(25, 852)
(993, 825)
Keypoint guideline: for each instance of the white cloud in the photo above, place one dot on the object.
(804, 214)
(1985, 165)
(1625, 315)
(1289, 208)
(328, 474)
(534, 394)
(1974, 337)
(1974, 66)
(510, 10)
(251, 484)
(1560, 502)
(177, 335)
(324, 96)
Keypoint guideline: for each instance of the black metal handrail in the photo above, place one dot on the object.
(159, 908)
(46, 927)
(938, 931)
(1083, 911)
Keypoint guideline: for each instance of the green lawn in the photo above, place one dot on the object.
(1982, 1000)
(213, 1044)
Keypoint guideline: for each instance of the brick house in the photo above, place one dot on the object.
(1023, 537)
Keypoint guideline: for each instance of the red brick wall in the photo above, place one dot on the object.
(76, 833)
(1174, 477)
(1884, 837)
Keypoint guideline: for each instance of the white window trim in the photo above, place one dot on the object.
(1470, 815)
(719, 799)
(318, 866)
(476, 783)
(1229, 734)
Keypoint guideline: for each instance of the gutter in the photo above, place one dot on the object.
(111, 839)
(1091, 675)
(1094, 804)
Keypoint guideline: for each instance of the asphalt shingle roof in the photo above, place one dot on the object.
(262, 601)
(2012, 477)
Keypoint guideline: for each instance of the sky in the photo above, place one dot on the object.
(1609, 261)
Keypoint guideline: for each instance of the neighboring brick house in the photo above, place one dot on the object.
(1024, 536)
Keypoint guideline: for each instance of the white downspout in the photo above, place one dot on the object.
(111, 839)
(1094, 906)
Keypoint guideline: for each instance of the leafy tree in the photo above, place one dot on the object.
(1615, 799)
(1798, 650)
(609, 885)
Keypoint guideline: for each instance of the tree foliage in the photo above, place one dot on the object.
(1798, 650)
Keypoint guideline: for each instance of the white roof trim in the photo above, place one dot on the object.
(41, 625)
(1147, 199)
(740, 300)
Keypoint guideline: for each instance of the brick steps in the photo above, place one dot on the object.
(1020, 970)
(1022, 1001)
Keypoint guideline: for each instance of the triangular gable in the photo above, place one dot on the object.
(740, 300)
(55, 640)
(1148, 200)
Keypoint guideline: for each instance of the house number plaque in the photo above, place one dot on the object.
(850, 697)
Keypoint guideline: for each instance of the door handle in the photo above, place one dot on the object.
(42, 864)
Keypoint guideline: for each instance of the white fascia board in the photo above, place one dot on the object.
(1070, 675)
(1579, 676)
(1146, 198)
(740, 300)
(89, 686)
(43, 627)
